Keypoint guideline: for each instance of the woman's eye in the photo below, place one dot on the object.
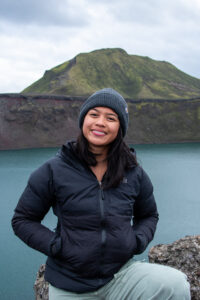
(93, 115)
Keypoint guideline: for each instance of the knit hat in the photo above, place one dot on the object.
(107, 98)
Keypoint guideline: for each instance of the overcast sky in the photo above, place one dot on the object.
(37, 35)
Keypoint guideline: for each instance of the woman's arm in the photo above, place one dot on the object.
(145, 214)
(33, 205)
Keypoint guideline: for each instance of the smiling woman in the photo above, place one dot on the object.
(104, 121)
(106, 213)
(100, 127)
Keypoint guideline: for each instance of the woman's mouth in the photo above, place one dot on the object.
(98, 133)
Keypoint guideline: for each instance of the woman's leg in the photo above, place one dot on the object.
(146, 281)
(59, 294)
(136, 281)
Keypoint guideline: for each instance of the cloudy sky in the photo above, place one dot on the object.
(36, 35)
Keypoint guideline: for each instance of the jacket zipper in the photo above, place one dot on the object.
(131, 221)
(103, 230)
(101, 202)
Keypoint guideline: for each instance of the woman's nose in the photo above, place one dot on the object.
(100, 121)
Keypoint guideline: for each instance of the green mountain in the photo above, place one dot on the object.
(132, 75)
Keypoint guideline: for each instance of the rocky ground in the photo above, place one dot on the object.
(184, 255)
(41, 287)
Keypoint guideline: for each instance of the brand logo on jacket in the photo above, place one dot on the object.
(125, 180)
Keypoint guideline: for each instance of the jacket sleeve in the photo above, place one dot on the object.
(33, 205)
(145, 214)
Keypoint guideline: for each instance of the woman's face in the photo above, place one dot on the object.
(101, 126)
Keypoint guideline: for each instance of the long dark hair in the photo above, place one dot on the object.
(119, 158)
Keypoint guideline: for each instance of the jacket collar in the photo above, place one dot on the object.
(67, 154)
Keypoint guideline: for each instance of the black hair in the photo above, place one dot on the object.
(118, 152)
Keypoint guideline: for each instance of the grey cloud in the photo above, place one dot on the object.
(181, 11)
(152, 12)
(42, 12)
(137, 11)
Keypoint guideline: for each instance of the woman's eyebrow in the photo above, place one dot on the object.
(111, 114)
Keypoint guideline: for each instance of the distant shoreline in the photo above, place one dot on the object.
(41, 121)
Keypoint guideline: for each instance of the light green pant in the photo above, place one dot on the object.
(136, 281)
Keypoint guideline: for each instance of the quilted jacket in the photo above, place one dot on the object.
(98, 229)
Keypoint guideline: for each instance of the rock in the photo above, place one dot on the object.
(41, 287)
(184, 255)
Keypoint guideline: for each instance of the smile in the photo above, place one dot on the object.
(98, 133)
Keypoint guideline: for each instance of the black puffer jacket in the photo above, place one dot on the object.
(96, 233)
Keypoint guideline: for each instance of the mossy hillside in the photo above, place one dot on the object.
(132, 75)
(164, 121)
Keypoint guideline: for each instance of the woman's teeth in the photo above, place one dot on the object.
(96, 132)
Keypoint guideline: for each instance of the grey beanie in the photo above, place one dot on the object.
(107, 98)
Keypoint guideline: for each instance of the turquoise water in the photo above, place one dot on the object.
(174, 170)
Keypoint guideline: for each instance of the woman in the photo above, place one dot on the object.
(106, 214)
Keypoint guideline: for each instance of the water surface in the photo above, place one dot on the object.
(175, 173)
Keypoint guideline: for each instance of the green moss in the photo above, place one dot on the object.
(60, 67)
(198, 113)
(141, 105)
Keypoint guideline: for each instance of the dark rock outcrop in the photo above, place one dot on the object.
(41, 287)
(48, 121)
(37, 122)
(183, 254)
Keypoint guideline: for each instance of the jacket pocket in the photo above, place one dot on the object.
(141, 243)
(55, 245)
